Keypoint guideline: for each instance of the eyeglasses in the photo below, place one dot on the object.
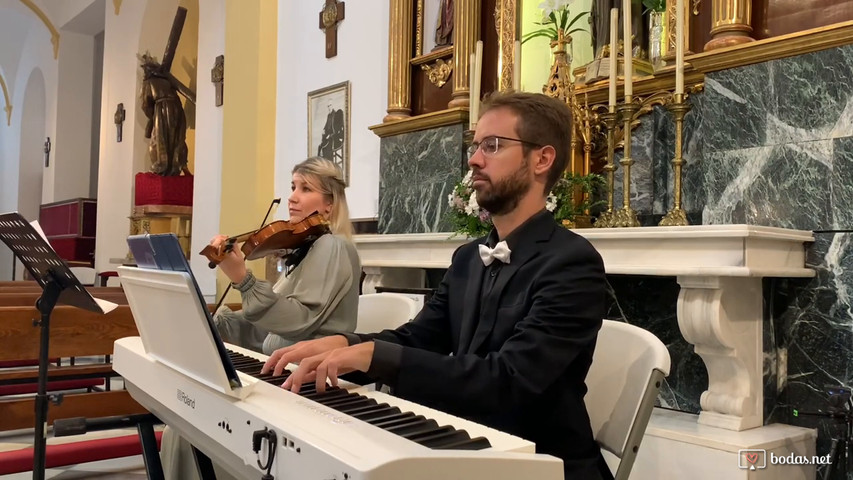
(493, 143)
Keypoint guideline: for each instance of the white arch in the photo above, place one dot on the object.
(31, 163)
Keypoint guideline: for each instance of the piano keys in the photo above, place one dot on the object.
(350, 432)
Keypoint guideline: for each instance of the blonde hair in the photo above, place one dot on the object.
(325, 177)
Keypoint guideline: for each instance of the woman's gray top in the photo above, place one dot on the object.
(318, 298)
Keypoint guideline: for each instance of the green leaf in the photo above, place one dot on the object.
(577, 17)
(655, 5)
(539, 33)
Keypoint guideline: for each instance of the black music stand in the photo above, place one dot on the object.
(58, 285)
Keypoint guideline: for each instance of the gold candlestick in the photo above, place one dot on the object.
(677, 217)
(626, 216)
(610, 119)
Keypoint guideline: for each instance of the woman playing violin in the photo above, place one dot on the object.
(317, 295)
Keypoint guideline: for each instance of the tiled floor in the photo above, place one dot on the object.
(116, 469)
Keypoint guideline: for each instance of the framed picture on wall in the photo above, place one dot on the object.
(329, 125)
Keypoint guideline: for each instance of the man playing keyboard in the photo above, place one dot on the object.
(508, 337)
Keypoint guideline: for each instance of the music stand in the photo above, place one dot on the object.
(58, 285)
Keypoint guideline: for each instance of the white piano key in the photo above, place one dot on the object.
(315, 441)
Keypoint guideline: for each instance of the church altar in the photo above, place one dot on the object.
(719, 269)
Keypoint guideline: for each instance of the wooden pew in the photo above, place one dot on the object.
(73, 333)
(15, 299)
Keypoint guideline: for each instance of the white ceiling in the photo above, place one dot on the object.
(16, 20)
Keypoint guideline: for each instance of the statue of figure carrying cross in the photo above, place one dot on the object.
(167, 123)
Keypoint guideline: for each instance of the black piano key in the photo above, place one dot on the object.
(386, 418)
(402, 421)
(414, 427)
(344, 401)
(318, 396)
(406, 424)
(308, 388)
(452, 436)
(370, 411)
(418, 433)
(253, 370)
(362, 403)
(478, 443)
(275, 380)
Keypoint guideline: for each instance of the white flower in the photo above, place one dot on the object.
(467, 179)
(550, 6)
(473, 208)
(551, 203)
(450, 199)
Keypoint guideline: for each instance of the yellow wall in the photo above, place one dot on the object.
(184, 68)
(248, 144)
(536, 56)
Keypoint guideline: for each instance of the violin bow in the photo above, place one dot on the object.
(275, 201)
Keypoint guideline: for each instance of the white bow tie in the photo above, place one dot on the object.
(500, 252)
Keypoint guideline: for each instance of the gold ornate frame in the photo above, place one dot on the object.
(508, 26)
(318, 96)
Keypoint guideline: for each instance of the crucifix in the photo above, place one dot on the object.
(118, 119)
(217, 76)
(47, 153)
(331, 15)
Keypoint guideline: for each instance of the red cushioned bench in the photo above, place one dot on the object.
(16, 461)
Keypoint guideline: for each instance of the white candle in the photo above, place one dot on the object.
(516, 67)
(679, 47)
(475, 95)
(627, 49)
(614, 50)
(472, 69)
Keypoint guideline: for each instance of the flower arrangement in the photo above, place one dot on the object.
(555, 21)
(655, 5)
(468, 218)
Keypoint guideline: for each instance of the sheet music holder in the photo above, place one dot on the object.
(58, 285)
(170, 308)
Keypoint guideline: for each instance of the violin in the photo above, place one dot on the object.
(275, 236)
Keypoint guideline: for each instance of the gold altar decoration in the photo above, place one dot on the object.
(610, 119)
(668, 54)
(399, 54)
(506, 21)
(677, 216)
(466, 32)
(731, 23)
(559, 83)
(438, 72)
(626, 216)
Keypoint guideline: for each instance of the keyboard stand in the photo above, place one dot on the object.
(204, 465)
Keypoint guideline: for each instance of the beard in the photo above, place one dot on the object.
(504, 195)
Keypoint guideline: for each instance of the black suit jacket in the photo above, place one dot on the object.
(519, 365)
